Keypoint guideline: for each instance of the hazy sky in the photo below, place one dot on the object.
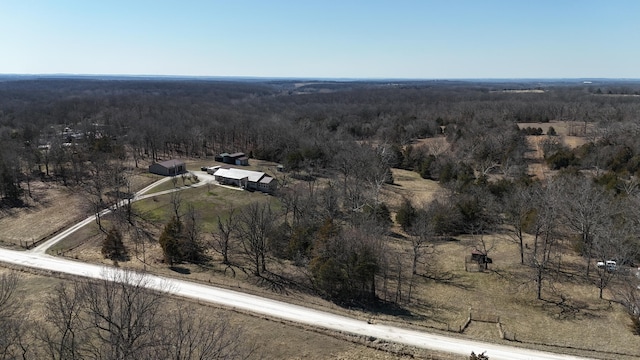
(323, 38)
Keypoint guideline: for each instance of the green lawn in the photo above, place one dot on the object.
(208, 201)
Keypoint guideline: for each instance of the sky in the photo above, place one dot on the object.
(369, 39)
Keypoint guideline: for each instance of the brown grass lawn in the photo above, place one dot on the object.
(51, 208)
(506, 291)
(409, 184)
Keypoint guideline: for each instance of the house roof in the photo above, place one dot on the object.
(171, 163)
(236, 155)
(238, 174)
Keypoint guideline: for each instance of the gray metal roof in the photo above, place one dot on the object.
(171, 163)
(239, 174)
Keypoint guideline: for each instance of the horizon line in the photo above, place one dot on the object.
(327, 78)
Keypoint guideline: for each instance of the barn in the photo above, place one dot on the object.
(168, 168)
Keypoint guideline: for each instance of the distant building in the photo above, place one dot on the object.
(221, 157)
(233, 158)
(168, 168)
(242, 161)
(246, 179)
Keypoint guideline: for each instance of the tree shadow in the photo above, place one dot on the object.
(444, 239)
(432, 312)
(564, 308)
(180, 270)
(7, 204)
(447, 278)
(393, 309)
(274, 282)
(396, 235)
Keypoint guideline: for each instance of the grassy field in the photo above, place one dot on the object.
(50, 209)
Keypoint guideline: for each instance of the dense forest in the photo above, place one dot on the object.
(308, 125)
(339, 142)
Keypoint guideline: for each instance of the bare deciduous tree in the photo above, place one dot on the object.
(192, 249)
(222, 237)
(255, 225)
(123, 316)
(614, 242)
(13, 343)
(65, 338)
(586, 208)
(518, 215)
(119, 318)
(422, 233)
(191, 336)
(545, 229)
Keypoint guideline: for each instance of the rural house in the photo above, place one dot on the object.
(246, 179)
(168, 168)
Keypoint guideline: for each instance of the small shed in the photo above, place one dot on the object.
(220, 157)
(244, 161)
(480, 257)
(231, 158)
(168, 168)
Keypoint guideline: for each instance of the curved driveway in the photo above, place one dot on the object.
(38, 259)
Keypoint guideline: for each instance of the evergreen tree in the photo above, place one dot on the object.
(551, 131)
(170, 241)
(406, 215)
(112, 246)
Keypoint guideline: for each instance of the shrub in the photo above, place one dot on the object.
(406, 215)
(561, 159)
(380, 214)
(551, 131)
(635, 324)
(482, 356)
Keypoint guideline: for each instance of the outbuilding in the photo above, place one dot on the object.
(221, 157)
(168, 168)
(243, 161)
